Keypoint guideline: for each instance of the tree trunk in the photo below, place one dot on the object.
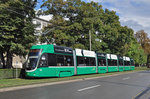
(3, 59)
(9, 60)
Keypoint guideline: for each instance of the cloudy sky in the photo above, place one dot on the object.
(133, 13)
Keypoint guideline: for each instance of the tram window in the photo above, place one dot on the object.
(86, 61)
(68, 60)
(101, 62)
(81, 61)
(109, 62)
(120, 62)
(127, 63)
(89, 61)
(92, 62)
(43, 60)
(64, 60)
(114, 62)
(52, 60)
(60, 60)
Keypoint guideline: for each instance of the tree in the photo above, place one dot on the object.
(137, 53)
(144, 41)
(16, 28)
(78, 20)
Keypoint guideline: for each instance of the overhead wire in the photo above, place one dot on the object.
(12, 10)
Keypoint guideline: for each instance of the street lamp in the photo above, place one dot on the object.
(98, 40)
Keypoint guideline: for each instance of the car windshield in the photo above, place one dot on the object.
(32, 59)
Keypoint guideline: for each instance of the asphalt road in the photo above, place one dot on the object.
(126, 86)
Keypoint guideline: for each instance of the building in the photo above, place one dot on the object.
(41, 23)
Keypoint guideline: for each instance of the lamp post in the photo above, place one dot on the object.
(16, 70)
(90, 40)
(97, 39)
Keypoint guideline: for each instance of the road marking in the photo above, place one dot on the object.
(126, 78)
(89, 87)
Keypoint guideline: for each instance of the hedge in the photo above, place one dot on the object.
(9, 73)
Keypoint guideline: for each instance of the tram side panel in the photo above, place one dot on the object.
(102, 63)
(112, 63)
(132, 64)
(86, 61)
(121, 68)
(120, 63)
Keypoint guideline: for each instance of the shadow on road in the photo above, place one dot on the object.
(144, 94)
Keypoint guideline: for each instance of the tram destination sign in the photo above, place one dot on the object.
(113, 56)
(87, 53)
(101, 55)
(60, 49)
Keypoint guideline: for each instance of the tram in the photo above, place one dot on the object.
(58, 61)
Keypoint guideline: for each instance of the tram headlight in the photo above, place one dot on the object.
(43, 58)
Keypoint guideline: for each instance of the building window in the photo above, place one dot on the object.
(44, 25)
(38, 24)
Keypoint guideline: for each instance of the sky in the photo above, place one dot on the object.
(132, 13)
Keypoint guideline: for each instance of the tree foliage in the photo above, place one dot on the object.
(75, 20)
(144, 41)
(16, 28)
(137, 53)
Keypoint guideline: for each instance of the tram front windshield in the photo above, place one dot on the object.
(32, 59)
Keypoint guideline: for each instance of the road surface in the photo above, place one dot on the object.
(127, 86)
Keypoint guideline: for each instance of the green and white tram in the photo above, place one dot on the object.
(57, 61)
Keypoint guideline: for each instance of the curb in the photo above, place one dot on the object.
(55, 83)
